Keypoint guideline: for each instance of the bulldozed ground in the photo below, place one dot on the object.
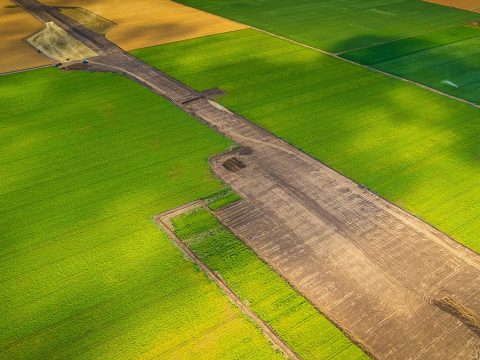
(145, 23)
(16, 53)
(471, 5)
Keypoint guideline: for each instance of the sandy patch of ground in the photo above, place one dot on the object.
(58, 45)
(472, 5)
(16, 25)
(143, 23)
(89, 19)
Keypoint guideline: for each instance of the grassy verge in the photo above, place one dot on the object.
(306, 331)
(222, 199)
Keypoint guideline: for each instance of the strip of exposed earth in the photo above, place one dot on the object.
(373, 269)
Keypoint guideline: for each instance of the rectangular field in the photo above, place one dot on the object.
(307, 332)
(87, 160)
(413, 147)
(447, 60)
(337, 25)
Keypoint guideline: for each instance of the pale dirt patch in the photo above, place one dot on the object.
(471, 5)
(143, 23)
(89, 19)
(15, 25)
(58, 45)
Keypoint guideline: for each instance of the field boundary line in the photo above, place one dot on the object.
(439, 92)
(164, 221)
(27, 69)
(399, 39)
(337, 56)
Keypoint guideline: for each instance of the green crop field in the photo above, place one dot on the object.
(307, 332)
(87, 160)
(414, 147)
(447, 60)
(338, 25)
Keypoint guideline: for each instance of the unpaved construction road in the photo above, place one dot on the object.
(400, 288)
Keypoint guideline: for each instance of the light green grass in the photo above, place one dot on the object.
(416, 148)
(338, 25)
(307, 332)
(87, 160)
(222, 199)
(447, 60)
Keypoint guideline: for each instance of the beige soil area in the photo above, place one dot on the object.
(472, 5)
(15, 25)
(89, 19)
(57, 44)
(143, 23)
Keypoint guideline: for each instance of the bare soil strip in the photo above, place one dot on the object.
(370, 267)
(165, 223)
(471, 5)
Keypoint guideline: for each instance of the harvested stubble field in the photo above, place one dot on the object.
(143, 23)
(338, 25)
(447, 60)
(85, 273)
(307, 332)
(413, 147)
(17, 54)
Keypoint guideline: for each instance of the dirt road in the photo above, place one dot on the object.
(378, 272)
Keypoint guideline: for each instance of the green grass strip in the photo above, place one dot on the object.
(291, 316)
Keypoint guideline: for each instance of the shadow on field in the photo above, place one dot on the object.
(399, 140)
(441, 61)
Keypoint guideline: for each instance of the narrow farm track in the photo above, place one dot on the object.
(375, 270)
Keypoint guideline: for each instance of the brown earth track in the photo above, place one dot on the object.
(372, 268)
